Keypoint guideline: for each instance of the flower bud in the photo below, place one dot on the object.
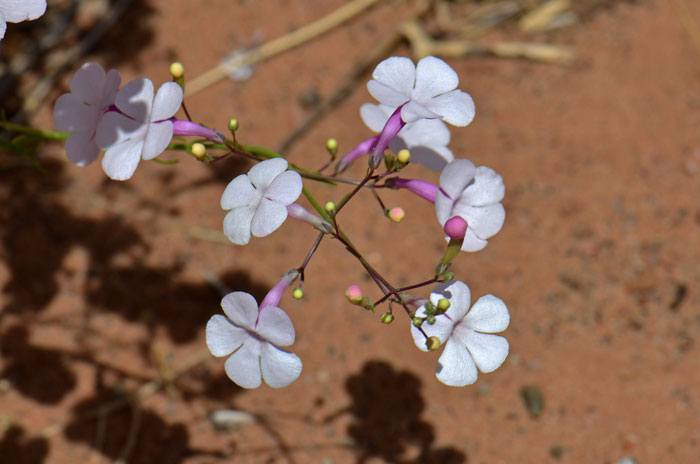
(417, 321)
(367, 304)
(430, 319)
(387, 318)
(403, 156)
(199, 150)
(389, 161)
(443, 305)
(177, 70)
(332, 147)
(448, 276)
(432, 343)
(354, 294)
(396, 214)
(429, 307)
(330, 207)
(233, 125)
(298, 293)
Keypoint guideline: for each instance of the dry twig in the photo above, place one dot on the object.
(279, 45)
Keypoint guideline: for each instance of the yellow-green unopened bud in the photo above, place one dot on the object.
(233, 124)
(430, 319)
(443, 304)
(298, 293)
(432, 343)
(177, 70)
(199, 150)
(404, 156)
(330, 207)
(332, 146)
(417, 321)
(387, 318)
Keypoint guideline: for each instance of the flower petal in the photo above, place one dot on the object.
(241, 308)
(456, 176)
(114, 128)
(459, 295)
(434, 158)
(455, 107)
(88, 83)
(374, 116)
(223, 338)
(456, 366)
(285, 188)
(167, 101)
(414, 111)
(243, 367)
(22, 10)
(111, 88)
(488, 351)
(268, 217)
(135, 99)
(443, 206)
(237, 224)
(442, 329)
(157, 139)
(71, 114)
(484, 221)
(489, 315)
(239, 192)
(472, 242)
(427, 132)
(386, 95)
(398, 73)
(3, 26)
(81, 148)
(275, 326)
(263, 173)
(120, 160)
(279, 367)
(487, 188)
(433, 77)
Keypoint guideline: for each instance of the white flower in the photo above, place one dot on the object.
(140, 128)
(15, 11)
(426, 139)
(253, 337)
(429, 90)
(465, 333)
(474, 194)
(258, 200)
(80, 111)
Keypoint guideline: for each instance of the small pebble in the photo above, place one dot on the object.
(627, 460)
(225, 419)
(533, 400)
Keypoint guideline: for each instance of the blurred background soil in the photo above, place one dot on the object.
(106, 286)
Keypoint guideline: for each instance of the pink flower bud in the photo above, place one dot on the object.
(354, 294)
(455, 227)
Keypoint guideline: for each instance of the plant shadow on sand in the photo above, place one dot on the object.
(386, 422)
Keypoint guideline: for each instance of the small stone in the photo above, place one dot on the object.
(557, 451)
(533, 400)
(226, 419)
(309, 99)
(627, 460)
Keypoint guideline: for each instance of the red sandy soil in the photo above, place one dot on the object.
(104, 284)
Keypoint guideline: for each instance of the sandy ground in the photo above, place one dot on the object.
(106, 285)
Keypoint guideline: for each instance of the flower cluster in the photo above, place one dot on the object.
(128, 123)
(416, 102)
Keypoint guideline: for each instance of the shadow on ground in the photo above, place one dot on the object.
(386, 418)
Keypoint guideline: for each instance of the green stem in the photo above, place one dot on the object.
(51, 135)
